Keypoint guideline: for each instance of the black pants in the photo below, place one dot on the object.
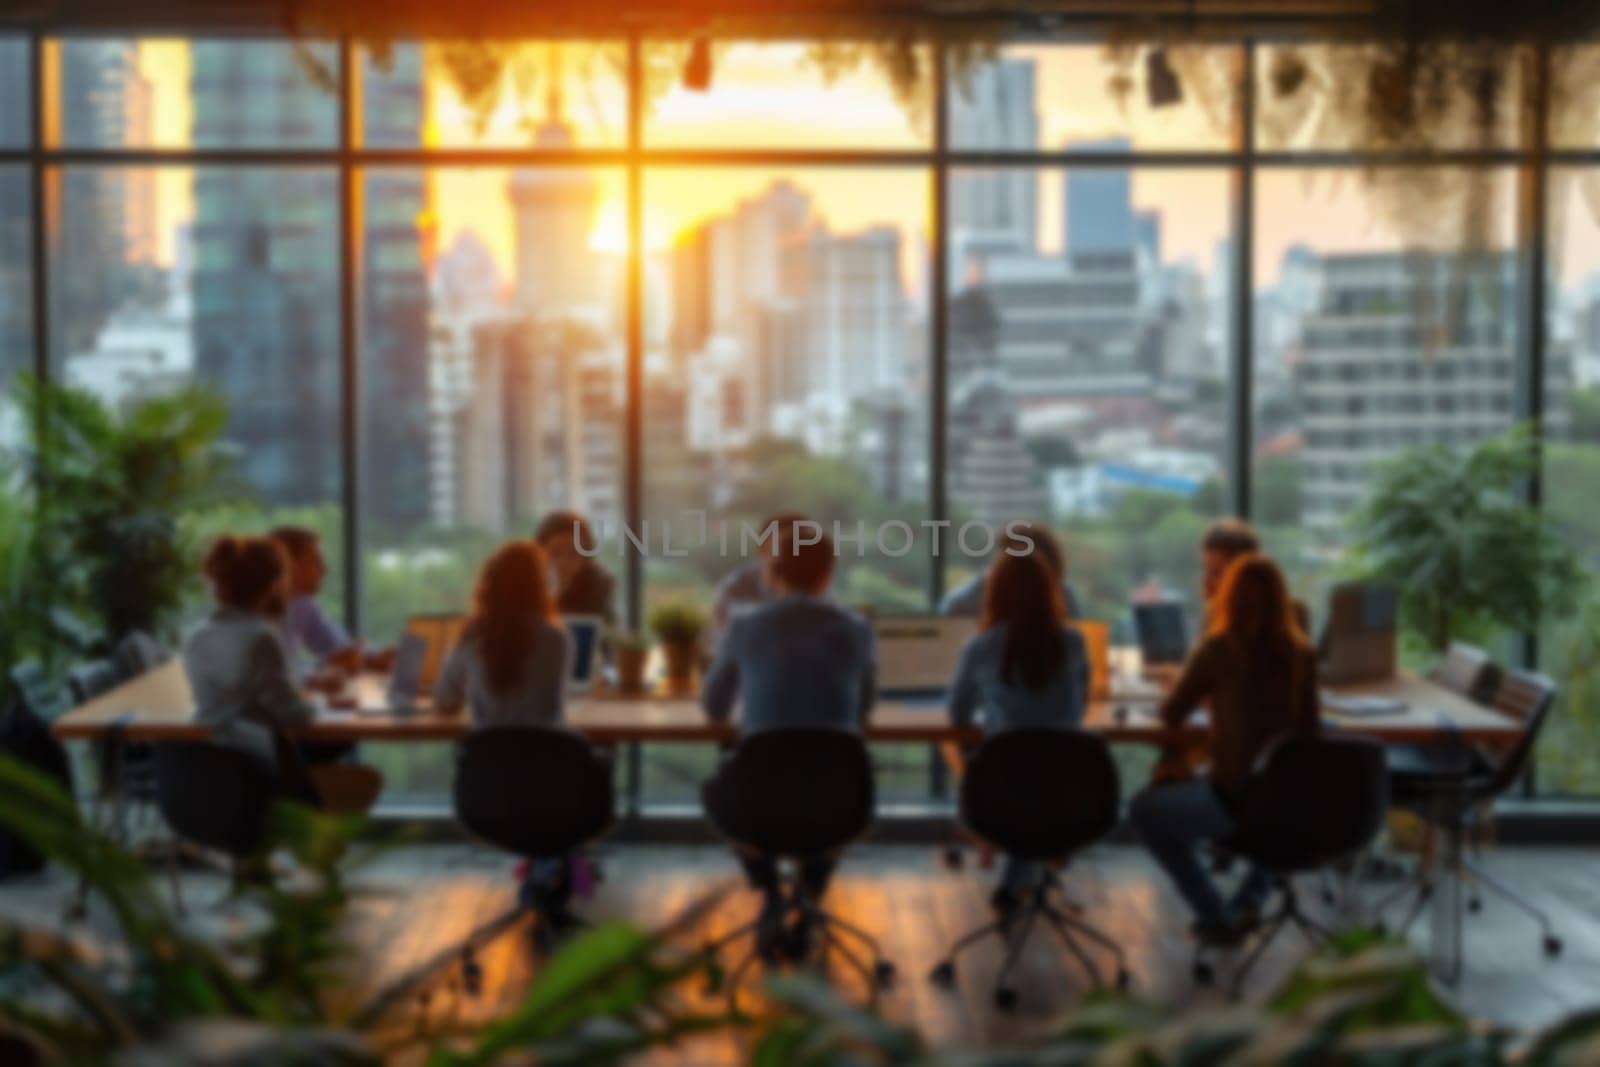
(731, 821)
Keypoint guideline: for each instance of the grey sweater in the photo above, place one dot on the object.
(537, 699)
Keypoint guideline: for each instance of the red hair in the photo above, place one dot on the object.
(1253, 603)
(246, 573)
(1024, 593)
(511, 599)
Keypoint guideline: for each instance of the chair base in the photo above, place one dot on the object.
(793, 908)
(1288, 913)
(1061, 914)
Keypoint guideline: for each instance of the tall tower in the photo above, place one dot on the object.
(554, 208)
(1099, 210)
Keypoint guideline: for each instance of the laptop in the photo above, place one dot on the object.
(917, 654)
(1163, 632)
(1359, 642)
(439, 633)
(405, 681)
(583, 662)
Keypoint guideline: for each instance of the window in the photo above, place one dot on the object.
(16, 118)
(830, 94)
(1088, 353)
(16, 291)
(225, 276)
(1329, 260)
(1089, 98)
(173, 93)
(1567, 646)
(543, 95)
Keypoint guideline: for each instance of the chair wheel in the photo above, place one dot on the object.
(1124, 980)
(1552, 946)
(1005, 998)
(954, 858)
(943, 975)
(1474, 905)
(883, 973)
(1203, 972)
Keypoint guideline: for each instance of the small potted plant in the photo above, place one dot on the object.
(678, 628)
(631, 652)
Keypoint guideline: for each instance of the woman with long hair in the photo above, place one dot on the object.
(510, 666)
(1025, 667)
(1257, 673)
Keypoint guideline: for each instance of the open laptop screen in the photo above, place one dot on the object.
(917, 654)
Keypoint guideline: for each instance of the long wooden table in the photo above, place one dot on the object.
(158, 706)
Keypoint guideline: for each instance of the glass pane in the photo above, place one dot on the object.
(1370, 339)
(177, 93)
(786, 372)
(1569, 648)
(776, 95)
(525, 94)
(492, 367)
(1091, 97)
(1088, 360)
(1574, 72)
(1333, 97)
(224, 277)
(16, 294)
(16, 100)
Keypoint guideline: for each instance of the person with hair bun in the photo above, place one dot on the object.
(238, 668)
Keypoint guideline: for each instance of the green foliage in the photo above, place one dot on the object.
(677, 623)
(122, 491)
(1450, 529)
(164, 976)
(1585, 414)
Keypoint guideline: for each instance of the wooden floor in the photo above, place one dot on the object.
(423, 898)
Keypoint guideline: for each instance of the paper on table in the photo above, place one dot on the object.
(1360, 706)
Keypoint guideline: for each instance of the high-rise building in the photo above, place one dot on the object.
(1099, 213)
(139, 219)
(554, 209)
(995, 210)
(93, 77)
(266, 315)
(1404, 349)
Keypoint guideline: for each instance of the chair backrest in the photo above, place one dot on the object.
(801, 791)
(532, 790)
(1529, 697)
(91, 678)
(138, 653)
(1468, 671)
(215, 796)
(36, 693)
(1316, 799)
(1041, 793)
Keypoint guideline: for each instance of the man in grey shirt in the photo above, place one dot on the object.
(798, 660)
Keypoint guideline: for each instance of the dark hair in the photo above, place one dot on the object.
(802, 564)
(1024, 594)
(1231, 537)
(510, 600)
(1035, 538)
(569, 526)
(296, 540)
(782, 525)
(245, 571)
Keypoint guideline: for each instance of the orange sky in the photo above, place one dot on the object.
(765, 96)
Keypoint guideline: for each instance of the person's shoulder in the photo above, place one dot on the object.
(963, 599)
(1074, 637)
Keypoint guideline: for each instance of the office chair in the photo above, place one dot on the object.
(1039, 795)
(800, 795)
(1451, 803)
(539, 793)
(125, 771)
(215, 797)
(1312, 802)
(37, 694)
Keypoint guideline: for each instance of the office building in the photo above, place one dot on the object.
(1098, 214)
(1405, 349)
(553, 209)
(993, 210)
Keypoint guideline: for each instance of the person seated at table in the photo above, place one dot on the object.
(1018, 537)
(1257, 674)
(748, 584)
(309, 630)
(238, 667)
(582, 585)
(1025, 667)
(510, 669)
(510, 666)
(798, 660)
(1225, 541)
